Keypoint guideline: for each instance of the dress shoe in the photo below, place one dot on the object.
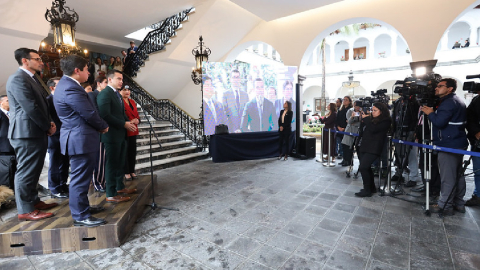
(117, 199)
(61, 195)
(437, 209)
(134, 176)
(363, 193)
(35, 215)
(459, 208)
(474, 201)
(96, 209)
(89, 222)
(127, 191)
(372, 190)
(419, 189)
(410, 183)
(285, 158)
(44, 206)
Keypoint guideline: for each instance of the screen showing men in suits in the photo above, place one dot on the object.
(246, 97)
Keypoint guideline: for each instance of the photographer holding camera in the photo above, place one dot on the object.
(353, 125)
(374, 131)
(473, 128)
(448, 124)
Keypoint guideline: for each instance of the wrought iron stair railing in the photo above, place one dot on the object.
(166, 110)
(155, 41)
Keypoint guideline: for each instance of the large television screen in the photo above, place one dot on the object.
(246, 97)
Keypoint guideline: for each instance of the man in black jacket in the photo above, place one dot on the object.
(473, 128)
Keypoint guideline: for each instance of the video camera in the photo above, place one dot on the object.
(471, 86)
(380, 96)
(423, 89)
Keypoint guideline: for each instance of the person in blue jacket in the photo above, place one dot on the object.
(448, 125)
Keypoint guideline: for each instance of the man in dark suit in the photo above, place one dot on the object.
(234, 101)
(30, 124)
(259, 113)
(213, 110)
(287, 96)
(7, 154)
(5, 146)
(59, 164)
(111, 108)
(131, 51)
(79, 136)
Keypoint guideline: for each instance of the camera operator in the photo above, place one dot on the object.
(353, 125)
(374, 133)
(448, 124)
(405, 119)
(473, 128)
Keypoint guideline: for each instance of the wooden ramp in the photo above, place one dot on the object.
(57, 234)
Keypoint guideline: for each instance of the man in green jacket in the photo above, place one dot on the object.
(110, 105)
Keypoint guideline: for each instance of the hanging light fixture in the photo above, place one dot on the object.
(201, 54)
(63, 20)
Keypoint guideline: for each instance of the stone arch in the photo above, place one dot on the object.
(339, 49)
(383, 46)
(458, 32)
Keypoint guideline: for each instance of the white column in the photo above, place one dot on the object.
(315, 56)
(332, 53)
(393, 36)
(371, 50)
(260, 49)
(350, 51)
(444, 41)
(269, 51)
(473, 36)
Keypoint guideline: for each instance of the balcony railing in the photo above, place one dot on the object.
(166, 110)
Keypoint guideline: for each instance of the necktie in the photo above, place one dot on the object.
(8, 114)
(120, 99)
(260, 109)
(237, 99)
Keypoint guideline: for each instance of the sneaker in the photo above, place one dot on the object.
(474, 201)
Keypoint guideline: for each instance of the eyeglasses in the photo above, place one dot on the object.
(37, 59)
(440, 86)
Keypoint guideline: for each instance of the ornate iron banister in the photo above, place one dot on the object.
(155, 41)
(166, 110)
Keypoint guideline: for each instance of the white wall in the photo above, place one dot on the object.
(383, 43)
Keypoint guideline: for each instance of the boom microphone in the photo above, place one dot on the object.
(473, 76)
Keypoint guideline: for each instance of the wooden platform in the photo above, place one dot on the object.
(57, 234)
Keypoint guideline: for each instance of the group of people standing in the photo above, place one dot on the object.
(73, 126)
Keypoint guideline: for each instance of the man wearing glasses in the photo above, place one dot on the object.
(448, 125)
(30, 124)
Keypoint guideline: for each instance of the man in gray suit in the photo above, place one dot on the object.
(259, 113)
(234, 101)
(30, 123)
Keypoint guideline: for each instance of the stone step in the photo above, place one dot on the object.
(162, 139)
(163, 132)
(165, 146)
(156, 126)
(145, 158)
(170, 162)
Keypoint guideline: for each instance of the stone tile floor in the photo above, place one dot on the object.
(270, 214)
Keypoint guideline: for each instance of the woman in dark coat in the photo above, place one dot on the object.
(132, 114)
(374, 134)
(285, 128)
(329, 121)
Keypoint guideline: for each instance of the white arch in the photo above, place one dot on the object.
(326, 32)
(240, 48)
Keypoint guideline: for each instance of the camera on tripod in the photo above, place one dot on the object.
(380, 96)
(471, 86)
(423, 89)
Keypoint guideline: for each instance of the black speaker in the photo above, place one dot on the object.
(307, 146)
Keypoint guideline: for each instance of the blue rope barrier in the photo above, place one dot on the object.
(432, 147)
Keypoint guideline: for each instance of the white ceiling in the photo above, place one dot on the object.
(273, 9)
